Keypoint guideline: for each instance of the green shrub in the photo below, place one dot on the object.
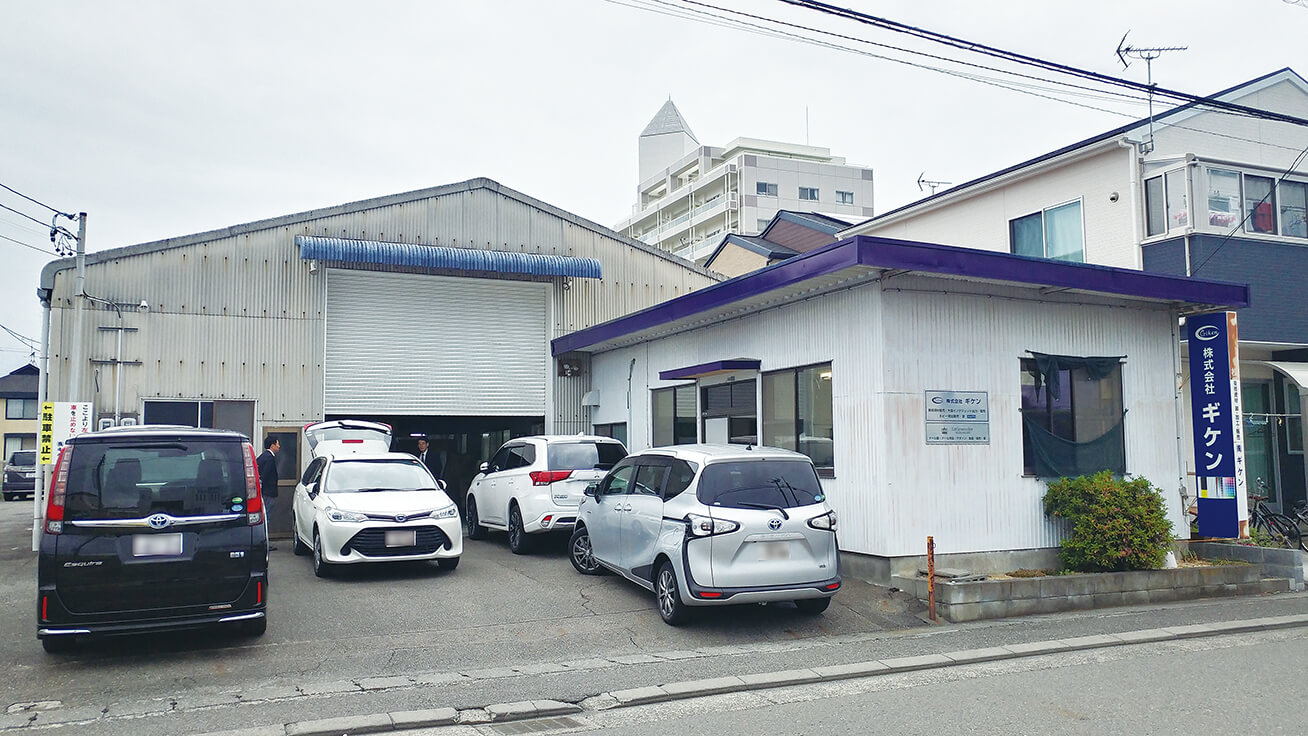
(1116, 523)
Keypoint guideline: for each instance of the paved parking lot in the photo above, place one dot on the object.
(495, 610)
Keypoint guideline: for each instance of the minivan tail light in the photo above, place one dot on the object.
(826, 521)
(253, 493)
(54, 502)
(706, 526)
(546, 477)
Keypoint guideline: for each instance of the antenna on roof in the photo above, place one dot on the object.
(922, 183)
(1148, 54)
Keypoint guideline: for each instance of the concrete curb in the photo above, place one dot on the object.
(501, 712)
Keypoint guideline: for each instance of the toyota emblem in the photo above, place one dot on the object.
(774, 524)
(159, 521)
(401, 518)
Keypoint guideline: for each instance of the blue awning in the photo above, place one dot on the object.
(340, 250)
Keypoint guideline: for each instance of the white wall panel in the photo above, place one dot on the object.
(409, 344)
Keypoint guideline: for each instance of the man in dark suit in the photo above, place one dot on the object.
(267, 464)
(431, 458)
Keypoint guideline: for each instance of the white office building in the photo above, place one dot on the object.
(691, 195)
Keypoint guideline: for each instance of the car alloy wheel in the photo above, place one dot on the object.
(581, 553)
(671, 609)
(517, 535)
(472, 522)
(320, 566)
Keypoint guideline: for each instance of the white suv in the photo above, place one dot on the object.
(705, 525)
(534, 484)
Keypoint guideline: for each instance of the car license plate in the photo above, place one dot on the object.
(402, 538)
(31, 474)
(156, 545)
(773, 550)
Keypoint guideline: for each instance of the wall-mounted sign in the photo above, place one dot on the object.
(957, 417)
(60, 422)
(1218, 429)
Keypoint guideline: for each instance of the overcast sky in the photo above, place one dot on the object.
(162, 119)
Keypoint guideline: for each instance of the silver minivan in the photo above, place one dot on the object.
(704, 525)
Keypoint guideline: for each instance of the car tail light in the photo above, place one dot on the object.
(351, 442)
(546, 477)
(54, 502)
(826, 521)
(546, 520)
(258, 592)
(45, 602)
(709, 594)
(705, 526)
(833, 586)
(253, 493)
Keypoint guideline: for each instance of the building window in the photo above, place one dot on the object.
(1054, 233)
(1166, 203)
(674, 416)
(617, 430)
(1259, 204)
(797, 413)
(1294, 209)
(730, 412)
(17, 442)
(20, 408)
(808, 193)
(234, 415)
(1223, 198)
(763, 224)
(844, 197)
(767, 190)
(1072, 416)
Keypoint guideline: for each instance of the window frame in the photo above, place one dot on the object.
(824, 471)
(815, 191)
(1281, 206)
(23, 410)
(843, 197)
(765, 188)
(1044, 229)
(1028, 366)
(693, 418)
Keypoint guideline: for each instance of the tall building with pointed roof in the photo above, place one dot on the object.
(691, 195)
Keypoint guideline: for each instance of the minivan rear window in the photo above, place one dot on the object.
(584, 455)
(27, 457)
(176, 477)
(760, 483)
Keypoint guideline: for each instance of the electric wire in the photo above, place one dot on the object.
(27, 245)
(25, 340)
(1039, 63)
(1249, 212)
(33, 201)
(22, 214)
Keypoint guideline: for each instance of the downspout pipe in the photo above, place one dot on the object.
(45, 294)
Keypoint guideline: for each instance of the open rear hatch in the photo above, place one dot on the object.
(347, 437)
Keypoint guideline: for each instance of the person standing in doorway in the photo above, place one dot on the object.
(267, 464)
(430, 458)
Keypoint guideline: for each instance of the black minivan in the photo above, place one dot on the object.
(152, 528)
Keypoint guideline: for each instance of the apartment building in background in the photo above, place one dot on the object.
(690, 195)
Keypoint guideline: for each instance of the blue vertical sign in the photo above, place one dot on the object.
(1215, 412)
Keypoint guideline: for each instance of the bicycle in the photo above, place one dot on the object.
(1300, 518)
(1281, 528)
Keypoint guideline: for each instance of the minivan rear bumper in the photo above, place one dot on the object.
(700, 596)
(53, 619)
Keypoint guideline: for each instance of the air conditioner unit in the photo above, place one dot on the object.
(732, 202)
(731, 168)
(127, 422)
(104, 423)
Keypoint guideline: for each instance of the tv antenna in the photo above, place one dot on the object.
(922, 183)
(1125, 51)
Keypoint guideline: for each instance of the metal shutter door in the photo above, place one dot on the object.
(434, 345)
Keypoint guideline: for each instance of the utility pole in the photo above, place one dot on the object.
(79, 323)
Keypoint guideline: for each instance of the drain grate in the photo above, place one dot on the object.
(537, 725)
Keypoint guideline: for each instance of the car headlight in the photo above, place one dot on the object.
(338, 515)
(449, 513)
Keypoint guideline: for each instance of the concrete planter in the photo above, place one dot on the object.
(1291, 564)
(987, 599)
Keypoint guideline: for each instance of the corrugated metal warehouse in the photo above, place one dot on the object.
(431, 310)
(857, 353)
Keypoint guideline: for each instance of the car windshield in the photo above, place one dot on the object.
(760, 484)
(584, 455)
(176, 477)
(24, 458)
(364, 476)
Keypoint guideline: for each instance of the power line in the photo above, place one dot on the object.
(25, 340)
(26, 245)
(1039, 63)
(43, 204)
(22, 214)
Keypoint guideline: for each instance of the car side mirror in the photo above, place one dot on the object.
(592, 490)
(483, 467)
(442, 484)
(313, 490)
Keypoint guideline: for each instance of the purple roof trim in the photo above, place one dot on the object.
(907, 255)
(695, 371)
